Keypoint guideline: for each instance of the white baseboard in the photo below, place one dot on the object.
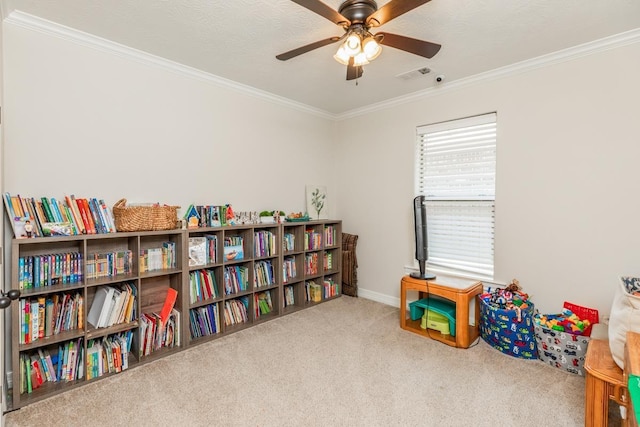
(378, 297)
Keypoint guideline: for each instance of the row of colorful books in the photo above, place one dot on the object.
(236, 279)
(264, 244)
(289, 296)
(263, 303)
(113, 305)
(43, 317)
(49, 269)
(204, 321)
(316, 293)
(312, 240)
(108, 354)
(162, 258)
(33, 217)
(328, 261)
(289, 269)
(236, 311)
(109, 264)
(41, 366)
(202, 285)
(289, 242)
(156, 334)
(203, 250)
(209, 216)
(311, 263)
(329, 235)
(263, 274)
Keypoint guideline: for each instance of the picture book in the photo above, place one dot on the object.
(22, 223)
(197, 251)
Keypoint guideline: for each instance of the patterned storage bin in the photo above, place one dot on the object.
(509, 331)
(563, 338)
(562, 350)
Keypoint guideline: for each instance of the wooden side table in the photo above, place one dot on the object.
(459, 291)
(603, 382)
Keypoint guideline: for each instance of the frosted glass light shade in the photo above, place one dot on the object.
(341, 56)
(352, 44)
(371, 48)
(360, 59)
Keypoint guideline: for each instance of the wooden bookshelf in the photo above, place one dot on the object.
(314, 243)
(262, 297)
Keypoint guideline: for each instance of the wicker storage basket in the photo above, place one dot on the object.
(144, 218)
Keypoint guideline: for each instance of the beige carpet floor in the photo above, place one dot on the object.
(342, 363)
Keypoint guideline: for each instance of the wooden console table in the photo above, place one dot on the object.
(459, 291)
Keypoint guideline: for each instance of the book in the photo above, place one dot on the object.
(169, 302)
(18, 219)
(57, 229)
(197, 251)
(101, 303)
(108, 215)
(86, 215)
(75, 213)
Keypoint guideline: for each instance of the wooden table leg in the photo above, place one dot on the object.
(403, 305)
(596, 404)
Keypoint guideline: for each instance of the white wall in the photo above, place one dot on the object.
(84, 121)
(568, 193)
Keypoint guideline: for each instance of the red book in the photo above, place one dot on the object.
(83, 214)
(169, 301)
(73, 207)
(87, 209)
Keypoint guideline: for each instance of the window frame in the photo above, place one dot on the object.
(462, 199)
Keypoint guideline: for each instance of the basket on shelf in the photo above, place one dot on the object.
(144, 218)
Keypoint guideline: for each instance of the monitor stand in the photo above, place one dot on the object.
(422, 274)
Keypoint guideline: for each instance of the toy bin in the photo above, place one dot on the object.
(563, 338)
(562, 350)
(509, 331)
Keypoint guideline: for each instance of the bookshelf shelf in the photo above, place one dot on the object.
(272, 265)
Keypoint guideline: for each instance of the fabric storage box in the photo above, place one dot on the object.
(509, 331)
(562, 350)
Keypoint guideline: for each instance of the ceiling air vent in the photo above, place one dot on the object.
(414, 74)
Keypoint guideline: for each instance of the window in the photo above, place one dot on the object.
(455, 171)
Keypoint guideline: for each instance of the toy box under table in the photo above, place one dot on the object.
(436, 313)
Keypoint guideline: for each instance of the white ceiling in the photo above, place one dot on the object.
(238, 39)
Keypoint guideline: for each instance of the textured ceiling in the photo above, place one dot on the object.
(238, 39)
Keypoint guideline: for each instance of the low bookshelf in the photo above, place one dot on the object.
(197, 284)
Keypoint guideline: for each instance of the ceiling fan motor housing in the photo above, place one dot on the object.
(357, 11)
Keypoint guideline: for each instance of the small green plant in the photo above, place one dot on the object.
(271, 213)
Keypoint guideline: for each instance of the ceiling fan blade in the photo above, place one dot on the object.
(418, 47)
(325, 11)
(304, 49)
(392, 10)
(353, 72)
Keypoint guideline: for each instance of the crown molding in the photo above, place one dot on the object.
(607, 43)
(50, 28)
(35, 23)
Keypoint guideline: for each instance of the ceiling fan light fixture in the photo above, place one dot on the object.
(360, 59)
(371, 48)
(341, 56)
(352, 44)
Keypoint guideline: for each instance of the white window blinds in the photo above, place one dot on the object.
(455, 171)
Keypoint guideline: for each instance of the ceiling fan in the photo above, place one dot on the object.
(360, 46)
